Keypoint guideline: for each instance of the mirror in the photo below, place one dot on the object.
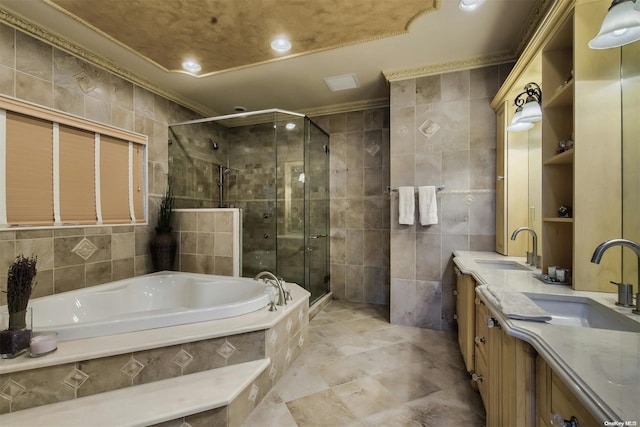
(630, 83)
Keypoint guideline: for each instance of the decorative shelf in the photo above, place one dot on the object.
(564, 158)
(562, 97)
(556, 219)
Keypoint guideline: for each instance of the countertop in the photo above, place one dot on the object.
(601, 367)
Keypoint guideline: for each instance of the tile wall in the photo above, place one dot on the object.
(34, 71)
(461, 155)
(207, 243)
(359, 175)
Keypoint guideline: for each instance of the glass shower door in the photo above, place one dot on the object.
(317, 211)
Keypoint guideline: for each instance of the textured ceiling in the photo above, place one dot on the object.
(229, 34)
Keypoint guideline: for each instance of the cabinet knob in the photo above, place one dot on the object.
(558, 421)
(500, 177)
(455, 316)
(477, 378)
(492, 323)
(480, 340)
(455, 292)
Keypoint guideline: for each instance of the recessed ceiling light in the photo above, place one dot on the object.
(344, 82)
(469, 4)
(191, 66)
(290, 126)
(281, 45)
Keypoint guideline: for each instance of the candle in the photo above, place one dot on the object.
(43, 343)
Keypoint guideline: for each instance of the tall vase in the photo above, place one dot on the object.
(15, 339)
(163, 247)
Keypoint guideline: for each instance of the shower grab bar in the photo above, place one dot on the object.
(317, 236)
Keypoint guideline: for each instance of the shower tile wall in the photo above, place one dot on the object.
(359, 175)
(460, 155)
(194, 163)
(252, 187)
(34, 71)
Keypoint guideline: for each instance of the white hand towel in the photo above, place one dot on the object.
(406, 205)
(516, 305)
(427, 205)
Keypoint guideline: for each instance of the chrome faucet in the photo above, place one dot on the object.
(625, 290)
(271, 278)
(532, 257)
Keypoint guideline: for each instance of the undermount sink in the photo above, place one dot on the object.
(501, 265)
(584, 312)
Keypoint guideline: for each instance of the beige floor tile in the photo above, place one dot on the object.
(321, 409)
(396, 417)
(366, 324)
(383, 337)
(376, 361)
(407, 353)
(441, 373)
(340, 372)
(318, 352)
(270, 416)
(365, 397)
(299, 382)
(405, 384)
(459, 406)
(359, 369)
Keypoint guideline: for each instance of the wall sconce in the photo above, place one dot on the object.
(528, 110)
(620, 26)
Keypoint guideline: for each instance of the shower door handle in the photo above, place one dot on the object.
(317, 236)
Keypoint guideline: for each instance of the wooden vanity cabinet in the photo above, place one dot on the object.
(505, 373)
(554, 399)
(465, 315)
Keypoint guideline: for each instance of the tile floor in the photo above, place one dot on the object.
(359, 370)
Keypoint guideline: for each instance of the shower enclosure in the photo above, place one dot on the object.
(274, 166)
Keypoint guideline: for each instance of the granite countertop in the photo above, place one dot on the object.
(601, 367)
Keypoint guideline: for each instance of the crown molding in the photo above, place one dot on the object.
(447, 67)
(346, 107)
(536, 16)
(90, 57)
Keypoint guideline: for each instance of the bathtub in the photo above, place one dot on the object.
(147, 302)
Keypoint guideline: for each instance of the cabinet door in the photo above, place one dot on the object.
(501, 172)
(554, 399)
(465, 310)
(517, 406)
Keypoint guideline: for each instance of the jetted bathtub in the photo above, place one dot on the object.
(147, 302)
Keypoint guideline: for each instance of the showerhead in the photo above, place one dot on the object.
(214, 144)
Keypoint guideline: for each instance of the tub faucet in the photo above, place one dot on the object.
(271, 278)
(532, 257)
(625, 290)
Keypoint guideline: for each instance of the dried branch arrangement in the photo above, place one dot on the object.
(20, 283)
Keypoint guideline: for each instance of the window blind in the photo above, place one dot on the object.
(29, 175)
(114, 180)
(77, 176)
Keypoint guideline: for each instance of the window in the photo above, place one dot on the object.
(57, 169)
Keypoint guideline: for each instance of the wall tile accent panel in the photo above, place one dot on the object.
(460, 154)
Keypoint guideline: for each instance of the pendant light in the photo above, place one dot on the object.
(620, 26)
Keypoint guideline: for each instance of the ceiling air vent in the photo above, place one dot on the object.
(347, 81)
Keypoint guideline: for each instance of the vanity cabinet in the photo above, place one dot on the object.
(465, 315)
(555, 401)
(504, 372)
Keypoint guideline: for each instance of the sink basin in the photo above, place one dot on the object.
(501, 265)
(584, 312)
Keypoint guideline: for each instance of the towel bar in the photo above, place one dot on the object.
(390, 189)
